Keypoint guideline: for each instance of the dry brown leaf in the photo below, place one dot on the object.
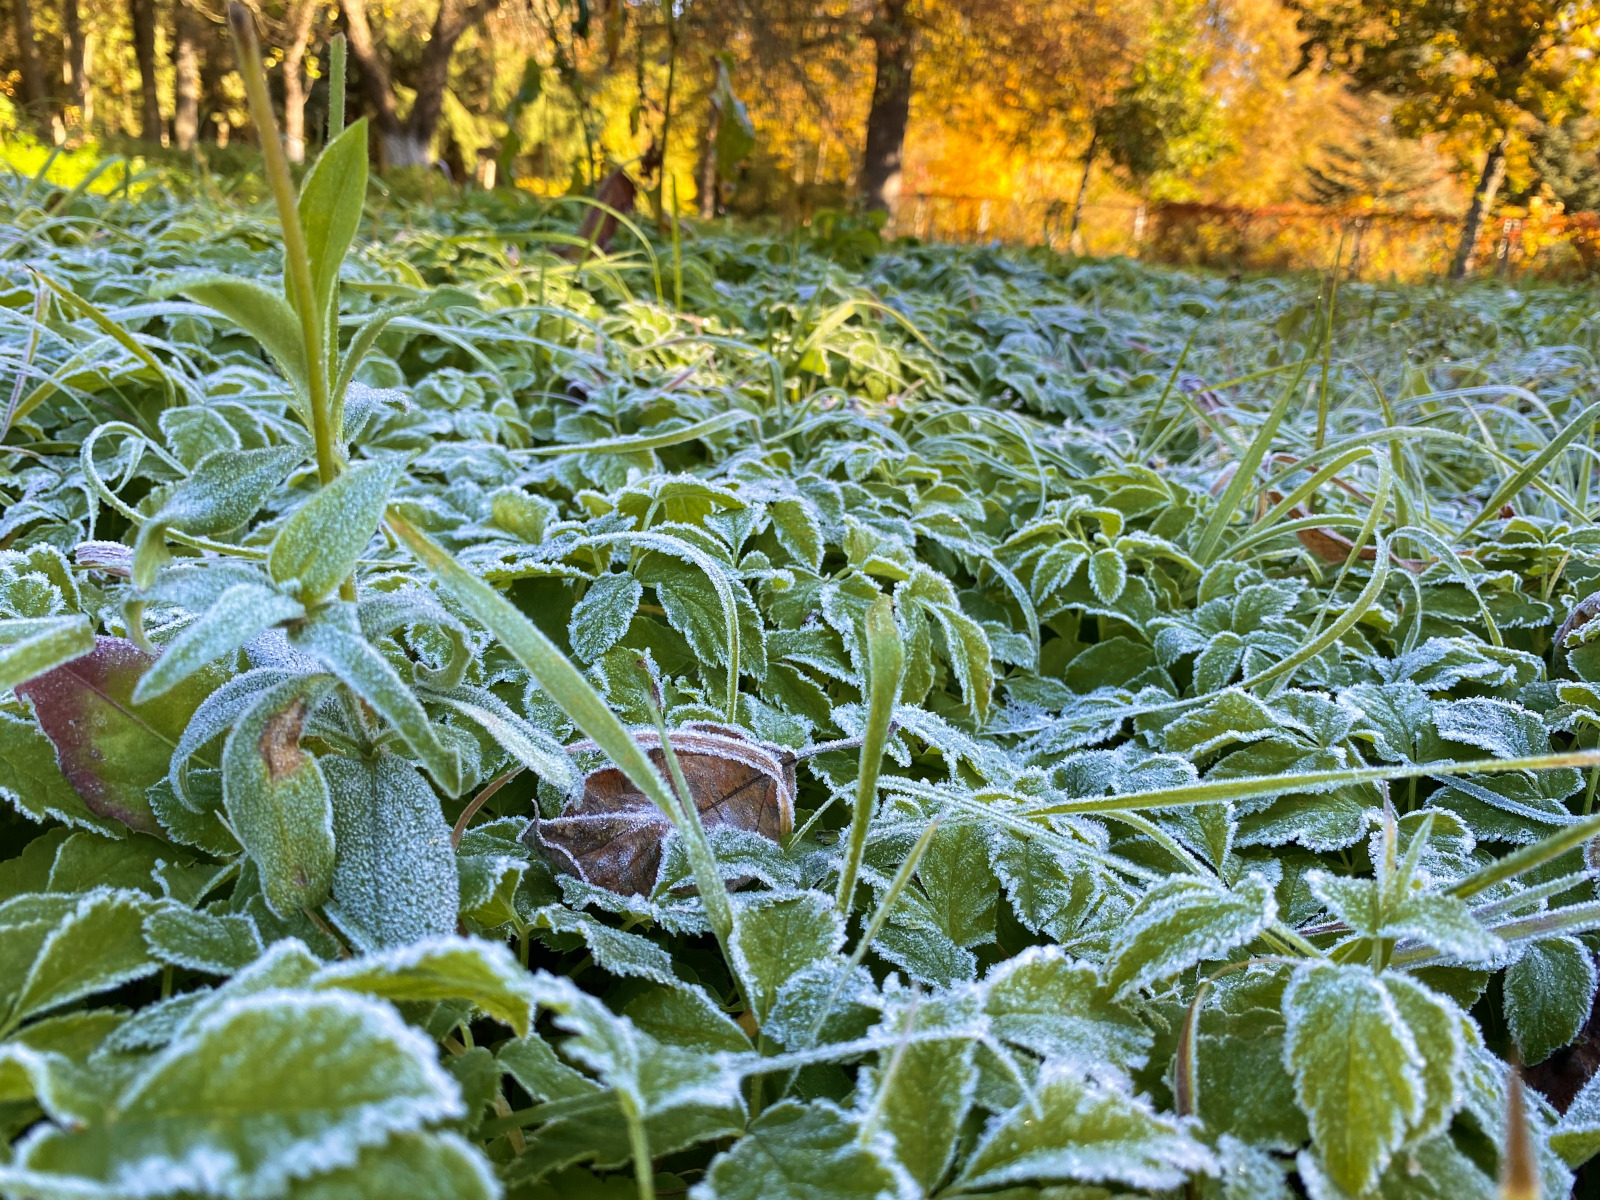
(610, 834)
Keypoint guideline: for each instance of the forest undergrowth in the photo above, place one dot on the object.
(780, 716)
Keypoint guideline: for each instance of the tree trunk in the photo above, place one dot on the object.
(891, 33)
(301, 17)
(374, 78)
(705, 176)
(143, 13)
(1494, 173)
(1083, 190)
(33, 89)
(454, 19)
(186, 77)
(78, 79)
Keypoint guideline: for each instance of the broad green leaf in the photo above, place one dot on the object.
(798, 532)
(395, 879)
(222, 492)
(1439, 1030)
(1548, 995)
(217, 944)
(801, 1151)
(680, 1015)
(240, 613)
(326, 1077)
(331, 197)
(259, 311)
(615, 950)
(601, 618)
(961, 890)
(1357, 1072)
(1576, 1137)
(921, 1091)
(418, 1166)
(33, 645)
(1079, 1130)
(450, 968)
(276, 796)
(334, 638)
(318, 546)
(34, 785)
(1046, 1002)
(95, 946)
(774, 939)
(110, 748)
(86, 861)
(1185, 921)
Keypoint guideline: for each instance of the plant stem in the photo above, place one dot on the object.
(336, 77)
(885, 664)
(639, 1141)
(296, 262)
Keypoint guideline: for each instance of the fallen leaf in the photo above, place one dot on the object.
(610, 834)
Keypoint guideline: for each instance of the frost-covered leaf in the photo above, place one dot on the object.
(483, 973)
(319, 545)
(1357, 1071)
(1548, 994)
(1077, 1129)
(394, 881)
(419, 1166)
(774, 939)
(61, 952)
(1184, 921)
(327, 1076)
(276, 797)
(616, 950)
(601, 618)
(801, 1152)
(216, 943)
(109, 748)
(1050, 1004)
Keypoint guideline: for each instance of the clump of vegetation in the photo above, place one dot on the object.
(775, 718)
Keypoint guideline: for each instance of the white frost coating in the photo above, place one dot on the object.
(601, 618)
(441, 968)
(1504, 729)
(616, 950)
(1185, 921)
(1048, 1002)
(390, 1083)
(395, 878)
(1086, 1131)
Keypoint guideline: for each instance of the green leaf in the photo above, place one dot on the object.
(615, 950)
(962, 892)
(217, 944)
(1548, 994)
(1576, 1137)
(97, 944)
(1440, 1032)
(33, 645)
(333, 637)
(1078, 1129)
(276, 796)
(483, 973)
(326, 1077)
(920, 1092)
(331, 198)
(1185, 921)
(1045, 1002)
(395, 879)
(1108, 575)
(259, 311)
(320, 543)
(801, 1152)
(222, 492)
(418, 1166)
(110, 748)
(601, 618)
(241, 612)
(795, 524)
(774, 939)
(1357, 1073)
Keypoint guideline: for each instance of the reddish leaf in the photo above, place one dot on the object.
(109, 748)
(610, 834)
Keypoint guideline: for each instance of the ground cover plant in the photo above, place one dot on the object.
(779, 716)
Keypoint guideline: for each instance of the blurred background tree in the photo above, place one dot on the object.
(790, 107)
